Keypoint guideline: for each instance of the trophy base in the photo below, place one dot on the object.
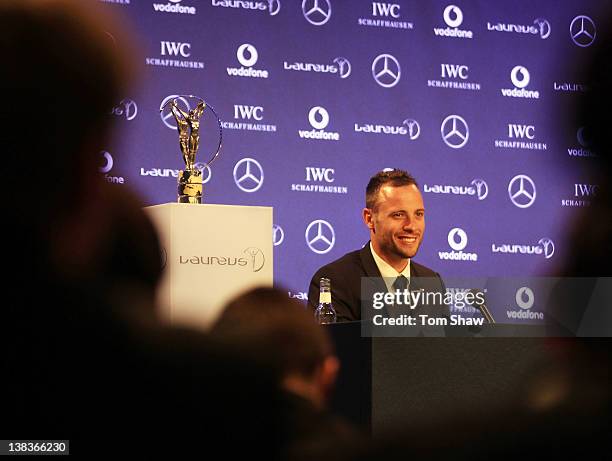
(190, 186)
(188, 199)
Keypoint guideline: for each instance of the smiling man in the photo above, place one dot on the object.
(395, 216)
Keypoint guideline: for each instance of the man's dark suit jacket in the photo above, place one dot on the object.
(346, 273)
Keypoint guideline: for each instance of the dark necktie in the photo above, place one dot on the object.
(401, 283)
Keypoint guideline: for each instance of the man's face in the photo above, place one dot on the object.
(397, 223)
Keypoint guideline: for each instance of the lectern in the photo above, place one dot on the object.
(211, 254)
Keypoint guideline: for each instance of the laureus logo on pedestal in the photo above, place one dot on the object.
(252, 257)
(257, 257)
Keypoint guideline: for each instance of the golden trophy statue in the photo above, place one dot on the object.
(188, 127)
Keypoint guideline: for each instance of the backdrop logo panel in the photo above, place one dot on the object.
(457, 240)
(316, 12)
(340, 66)
(409, 127)
(320, 236)
(568, 87)
(520, 136)
(478, 188)
(344, 66)
(318, 117)
(539, 28)
(320, 179)
(522, 191)
(271, 6)
(520, 78)
(107, 166)
(108, 162)
(248, 175)
(544, 247)
(174, 54)
(174, 6)
(278, 235)
(247, 56)
(172, 173)
(126, 108)
(454, 77)
(386, 70)
(247, 118)
(583, 31)
(385, 15)
(455, 131)
(582, 195)
(525, 300)
(453, 18)
(166, 113)
(584, 143)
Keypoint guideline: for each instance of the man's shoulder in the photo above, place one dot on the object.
(349, 260)
(419, 270)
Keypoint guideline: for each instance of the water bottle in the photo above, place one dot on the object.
(325, 312)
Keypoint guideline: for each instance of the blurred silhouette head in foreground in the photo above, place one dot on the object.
(81, 368)
(285, 336)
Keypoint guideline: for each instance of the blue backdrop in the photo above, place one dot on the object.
(474, 98)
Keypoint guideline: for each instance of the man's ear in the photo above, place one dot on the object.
(368, 218)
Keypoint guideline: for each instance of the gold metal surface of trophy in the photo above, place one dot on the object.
(188, 127)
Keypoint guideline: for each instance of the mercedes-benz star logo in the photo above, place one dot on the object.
(522, 191)
(109, 162)
(482, 189)
(386, 70)
(320, 236)
(166, 113)
(278, 235)
(248, 175)
(583, 31)
(414, 129)
(344, 66)
(455, 131)
(316, 12)
(247, 48)
(206, 171)
(549, 247)
(463, 239)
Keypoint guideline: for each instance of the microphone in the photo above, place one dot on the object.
(480, 304)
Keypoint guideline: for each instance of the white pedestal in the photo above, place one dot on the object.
(212, 253)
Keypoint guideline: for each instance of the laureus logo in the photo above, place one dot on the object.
(253, 259)
(126, 108)
(257, 258)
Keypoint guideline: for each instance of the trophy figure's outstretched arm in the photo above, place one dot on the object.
(182, 125)
(194, 124)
